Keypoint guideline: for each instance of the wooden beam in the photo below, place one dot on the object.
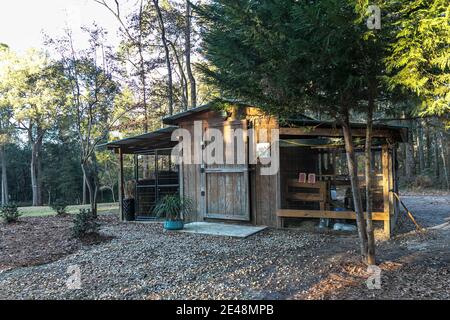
(386, 203)
(302, 196)
(290, 213)
(333, 132)
(225, 217)
(121, 188)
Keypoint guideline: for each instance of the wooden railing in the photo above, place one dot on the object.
(293, 213)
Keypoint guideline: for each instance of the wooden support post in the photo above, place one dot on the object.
(180, 172)
(391, 187)
(121, 189)
(280, 221)
(136, 179)
(396, 207)
(386, 202)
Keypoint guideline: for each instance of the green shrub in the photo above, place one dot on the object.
(84, 223)
(173, 207)
(59, 206)
(10, 213)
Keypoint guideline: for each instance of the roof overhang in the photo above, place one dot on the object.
(159, 139)
(397, 133)
(176, 118)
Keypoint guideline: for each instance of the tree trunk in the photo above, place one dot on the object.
(5, 195)
(167, 55)
(402, 159)
(409, 155)
(142, 71)
(429, 151)
(92, 187)
(368, 176)
(84, 190)
(112, 193)
(39, 177)
(353, 174)
(183, 80)
(420, 151)
(193, 86)
(436, 157)
(184, 92)
(94, 201)
(444, 161)
(36, 147)
(33, 167)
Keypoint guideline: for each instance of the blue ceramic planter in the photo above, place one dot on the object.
(173, 224)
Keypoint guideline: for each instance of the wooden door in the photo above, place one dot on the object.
(225, 190)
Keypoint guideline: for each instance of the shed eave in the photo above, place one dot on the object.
(145, 142)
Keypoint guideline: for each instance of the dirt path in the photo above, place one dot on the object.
(430, 211)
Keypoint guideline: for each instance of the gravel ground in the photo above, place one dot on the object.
(145, 262)
(429, 210)
(142, 261)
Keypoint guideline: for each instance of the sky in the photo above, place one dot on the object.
(23, 21)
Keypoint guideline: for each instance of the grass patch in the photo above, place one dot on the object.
(47, 211)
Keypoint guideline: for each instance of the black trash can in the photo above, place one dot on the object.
(128, 209)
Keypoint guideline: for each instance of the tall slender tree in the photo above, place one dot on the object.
(165, 43)
(6, 129)
(92, 95)
(37, 98)
(187, 50)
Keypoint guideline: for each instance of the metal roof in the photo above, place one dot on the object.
(207, 107)
(173, 119)
(145, 142)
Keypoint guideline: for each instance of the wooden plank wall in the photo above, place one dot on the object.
(192, 177)
(264, 188)
(191, 181)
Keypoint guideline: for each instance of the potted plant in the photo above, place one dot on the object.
(174, 208)
(128, 201)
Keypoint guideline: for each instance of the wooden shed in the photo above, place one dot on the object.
(311, 181)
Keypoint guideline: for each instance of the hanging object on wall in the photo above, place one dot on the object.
(263, 150)
(302, 177)
(312, 178)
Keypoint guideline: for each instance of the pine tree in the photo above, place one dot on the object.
(419, 59)
(288, 57)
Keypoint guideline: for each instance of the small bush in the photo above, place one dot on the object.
(84, 223)
(60, 207)
(10, 213)
(173, 207)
